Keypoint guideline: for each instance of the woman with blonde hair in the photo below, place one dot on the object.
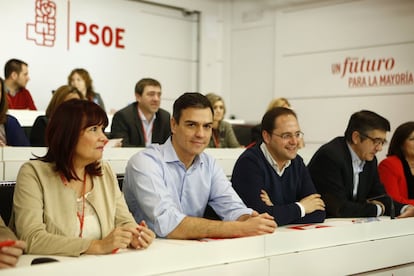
(223, 134)
(278, 102)
(256, 131)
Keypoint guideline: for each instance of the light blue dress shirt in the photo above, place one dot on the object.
(159, 189)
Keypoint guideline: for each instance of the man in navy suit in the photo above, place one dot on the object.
(345, 172)
(142, 122)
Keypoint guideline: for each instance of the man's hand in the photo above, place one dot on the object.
(312, 203)
(258, 224)
(265, 198)
(409, 212)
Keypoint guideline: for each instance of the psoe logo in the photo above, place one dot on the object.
(43, 30)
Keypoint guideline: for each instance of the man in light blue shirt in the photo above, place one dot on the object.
(170, 185)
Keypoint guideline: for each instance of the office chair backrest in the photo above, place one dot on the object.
(6, 199)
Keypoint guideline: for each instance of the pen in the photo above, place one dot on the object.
(7, 243)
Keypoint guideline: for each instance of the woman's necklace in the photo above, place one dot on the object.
(216, 138)
(81, 216)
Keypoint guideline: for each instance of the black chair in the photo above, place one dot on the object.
(6, 199)
(209, 213)
(243, 133)
(120, 178)
(27, 130)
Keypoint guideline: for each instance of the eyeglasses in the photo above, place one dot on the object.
(376, 141)
(287, 136)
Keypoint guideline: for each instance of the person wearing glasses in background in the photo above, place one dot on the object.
(272, 178)
(345, 170)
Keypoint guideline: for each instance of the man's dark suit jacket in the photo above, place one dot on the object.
(332, 174)
(127, 124)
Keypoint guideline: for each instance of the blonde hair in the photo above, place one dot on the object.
(213, 98)
(278, 102)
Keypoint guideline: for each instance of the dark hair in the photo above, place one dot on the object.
(90, 92)
(269, 118)
(364, 121)
(59, 96)
(3, 103)
(142, 83)
(62, 134)
(398, 138)
(187, 100)
(13, 65)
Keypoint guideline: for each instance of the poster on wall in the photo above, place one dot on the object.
(118, 42)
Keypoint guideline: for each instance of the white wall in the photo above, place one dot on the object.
(307, 42)
(248, 51)
(157, 42)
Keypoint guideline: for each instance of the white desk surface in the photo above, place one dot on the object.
(11, 158)
(342, 248)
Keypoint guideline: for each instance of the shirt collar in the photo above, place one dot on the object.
(143, 118)
(272, 162)
(171, 156)
(357, 164)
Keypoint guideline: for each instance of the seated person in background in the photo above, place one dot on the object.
(9, 254)
(170, 185)
(223, 135)
(142, 122)
(11, 132)
(274, 171)
(256, 131)
(397, 170)
(16, 75)
(62, 94)
(68, 202)
(345, 170)
(81, 79)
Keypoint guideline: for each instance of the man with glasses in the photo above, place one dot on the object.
(272, 178)
(345, 171)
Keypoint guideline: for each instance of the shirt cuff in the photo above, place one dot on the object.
(403, 209)
(302, 209)
(379, 210)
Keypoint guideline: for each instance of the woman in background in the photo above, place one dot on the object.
(81, 79)
(397, 170)
(223, 134)
(68, 202)
(62, 94)
(278, 102)
(11, 132)
(256, 131)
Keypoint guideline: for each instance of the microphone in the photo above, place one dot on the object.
(392, 207)
(43, 260)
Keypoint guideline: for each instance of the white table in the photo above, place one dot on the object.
(341, 248)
